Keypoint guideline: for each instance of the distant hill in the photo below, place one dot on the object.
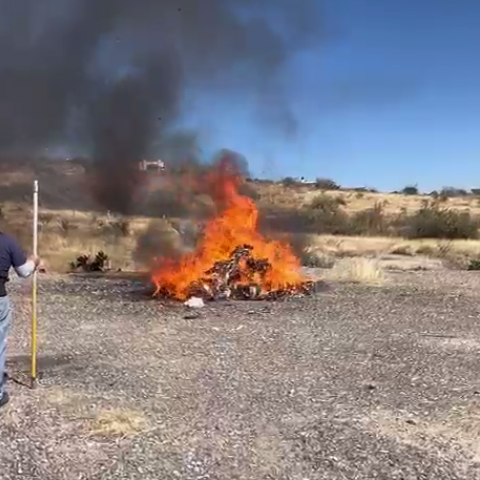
(66, 185)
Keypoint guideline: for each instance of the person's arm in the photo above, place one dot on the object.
(23, 266)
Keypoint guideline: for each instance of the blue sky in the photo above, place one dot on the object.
(392, 98)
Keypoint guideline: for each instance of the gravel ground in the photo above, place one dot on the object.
(353, 383)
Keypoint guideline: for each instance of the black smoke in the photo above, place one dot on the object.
(109, 76)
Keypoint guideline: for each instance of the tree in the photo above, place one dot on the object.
(326, 184)
(410, 190)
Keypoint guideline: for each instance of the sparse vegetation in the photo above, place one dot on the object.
(326, 215)
(122, 227)
(64, 226)
(365, 221)
(432, 221)
(371, 221)
(308, 255)
(364, 271)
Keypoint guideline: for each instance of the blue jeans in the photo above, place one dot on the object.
(5, 316)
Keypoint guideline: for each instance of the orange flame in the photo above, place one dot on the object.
(236, 224)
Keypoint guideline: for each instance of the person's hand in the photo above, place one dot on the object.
(35, 259)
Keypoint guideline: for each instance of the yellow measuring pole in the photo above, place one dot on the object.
(34, 287)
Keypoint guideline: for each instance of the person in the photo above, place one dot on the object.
(11, 256)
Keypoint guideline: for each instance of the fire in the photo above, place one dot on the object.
(268, 264)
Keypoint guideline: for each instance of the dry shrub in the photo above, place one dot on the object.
(371, 221)
(450, 258)
(45, 219)
(426, 250)
(59, 251)
(65, 226)
(326, 184)
(451, 192)
(315, 258)
(290, 182)
(432, 221)
(410, 190)
(365, 271)
(405, 250)
(119, 227)
(161, 239)
(326, 215)
(308, 254)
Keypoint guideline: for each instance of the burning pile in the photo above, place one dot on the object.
(232, 259)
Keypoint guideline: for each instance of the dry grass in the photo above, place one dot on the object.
(393, 203)
(121, 422)
(66, 234)
(75, 406)
(58, 251)
(365, 271)
(359, 246)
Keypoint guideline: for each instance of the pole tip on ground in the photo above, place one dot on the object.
(33, 383)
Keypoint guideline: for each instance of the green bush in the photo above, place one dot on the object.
(474, 264)
(449, 192)
(432, 221)
(410, 190)
(371, 221)
(289, 182)
(326, 184)
(326, 215)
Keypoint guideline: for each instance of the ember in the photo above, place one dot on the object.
(232, 259)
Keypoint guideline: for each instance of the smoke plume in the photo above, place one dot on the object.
(110, 75)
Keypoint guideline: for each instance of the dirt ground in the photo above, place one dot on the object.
(355, 383)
